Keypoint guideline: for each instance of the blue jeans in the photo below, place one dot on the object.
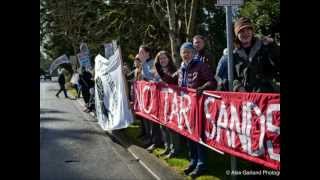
(197, 155)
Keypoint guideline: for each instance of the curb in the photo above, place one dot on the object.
(139, 154)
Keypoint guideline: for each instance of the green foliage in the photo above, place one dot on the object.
(65, 24)
(213, 25)
(265, 14)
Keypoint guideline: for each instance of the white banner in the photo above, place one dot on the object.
(60, 60)
(112, 106)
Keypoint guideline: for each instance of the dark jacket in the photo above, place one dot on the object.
(206, 57)
(61, 80)
(222, 74)
(168, 77)
(195, 75)
(257, 71)
(85, 80)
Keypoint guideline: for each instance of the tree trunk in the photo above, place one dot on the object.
(172, 31)
(192, 18)
(174, 46)
(76, 65)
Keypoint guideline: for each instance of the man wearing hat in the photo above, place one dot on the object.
(256, 61)
(194, 74)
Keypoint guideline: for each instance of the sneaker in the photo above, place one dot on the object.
(151, 148)
(189, 170)
(170, 155)
(166, 151)
(196, 172)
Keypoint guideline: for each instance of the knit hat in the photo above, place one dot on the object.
(187, 45)
(241, 23)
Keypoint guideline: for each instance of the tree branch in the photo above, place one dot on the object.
(158, 16)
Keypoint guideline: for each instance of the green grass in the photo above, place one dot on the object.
(133, 132)
(217, 163)
(178, 163)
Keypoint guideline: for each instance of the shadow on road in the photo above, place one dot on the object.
(51, 119)
(47, 111)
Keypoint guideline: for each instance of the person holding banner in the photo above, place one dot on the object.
(137, 68)
(137, 77)
(256, 61)
(195, 74)
(166, 69)
(153, 131)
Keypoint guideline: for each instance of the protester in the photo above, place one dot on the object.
(193, 73)
(166, 69)
(137, 77)
(85, 80)
(62, 82)
(222, 72)
(153, 136)
(256, 62)
(202, 53)
(137, 70)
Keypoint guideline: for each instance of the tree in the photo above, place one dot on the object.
(178, 19)
(212, 24)
(265, 15)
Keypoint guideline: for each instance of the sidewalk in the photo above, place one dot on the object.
(155, 166)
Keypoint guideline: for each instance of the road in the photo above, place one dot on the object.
(72, 145)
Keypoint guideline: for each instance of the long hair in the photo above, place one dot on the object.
(236, 41)
(171, 67)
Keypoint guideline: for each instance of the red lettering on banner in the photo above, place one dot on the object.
(271, 128)
(138, 99)
(145, 99)
(166, 106)
(149, 98)
(174, 110)
(242, 126)
(245, 125)
(184, 109)
(234, 126)
(180, 107)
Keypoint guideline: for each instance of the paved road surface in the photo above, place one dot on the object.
(72, 146)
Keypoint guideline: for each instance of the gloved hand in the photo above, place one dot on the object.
(200, 90)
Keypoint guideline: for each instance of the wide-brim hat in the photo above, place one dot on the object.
(242, 23)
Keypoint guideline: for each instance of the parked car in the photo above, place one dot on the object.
(46, 76)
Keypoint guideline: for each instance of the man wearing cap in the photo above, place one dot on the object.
(199, 43)
(256, 62)
(194, 74)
